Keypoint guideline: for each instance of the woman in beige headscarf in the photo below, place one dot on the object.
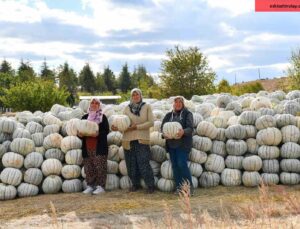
(136, 141)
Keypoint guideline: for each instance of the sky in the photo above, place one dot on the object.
(238, 42)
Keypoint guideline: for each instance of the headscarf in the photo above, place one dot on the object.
(135, 108)
(95, 116)
(181, 98)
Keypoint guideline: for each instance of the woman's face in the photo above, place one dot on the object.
(94, 105)
(178, 105)
(136, 97)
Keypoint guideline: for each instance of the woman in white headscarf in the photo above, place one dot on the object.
(136, 141)
(95, 150)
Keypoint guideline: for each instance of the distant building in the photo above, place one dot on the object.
(110, 99)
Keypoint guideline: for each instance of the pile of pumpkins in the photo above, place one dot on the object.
(237, 140)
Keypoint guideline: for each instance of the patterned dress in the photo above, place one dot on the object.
(95, 167)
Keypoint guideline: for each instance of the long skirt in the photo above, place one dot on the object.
(95, 166)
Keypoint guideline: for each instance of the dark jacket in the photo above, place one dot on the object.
(186, 121)
(102, 147)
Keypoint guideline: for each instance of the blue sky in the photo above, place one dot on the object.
(236, 40)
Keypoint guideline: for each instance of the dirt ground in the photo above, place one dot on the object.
(120, 209)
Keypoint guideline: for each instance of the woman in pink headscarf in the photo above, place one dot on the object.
(95, 150)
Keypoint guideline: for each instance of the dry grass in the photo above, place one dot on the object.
(275, 207)
(208, 208)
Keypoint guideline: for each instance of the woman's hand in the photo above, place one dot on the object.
(80, 135)
(132, 127)
(114, 128)
(95, 135)
(180, 133)
(165, 136)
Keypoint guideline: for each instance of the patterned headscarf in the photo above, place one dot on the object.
(95, 116)
(181, 98)
(135, 108)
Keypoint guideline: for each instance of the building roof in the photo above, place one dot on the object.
(101, 97)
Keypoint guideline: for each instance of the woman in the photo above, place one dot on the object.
(179, 148)
(95, 150)
(136, 141)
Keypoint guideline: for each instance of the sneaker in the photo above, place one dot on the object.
(192, 192)
(98, 190)
(88, 190)
(176, 192)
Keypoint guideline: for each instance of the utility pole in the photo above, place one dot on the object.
(234, 78)
(258, 73)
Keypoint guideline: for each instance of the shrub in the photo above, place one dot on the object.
(32, 96)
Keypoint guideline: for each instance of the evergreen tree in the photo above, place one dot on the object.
(100, 83)
(7, 78)
(6, 68)
(46, 73)
(87, 79)
(124, 79)
(67, 79)
(110, 80)
(141, 79)
(6, 81)
(25, 72)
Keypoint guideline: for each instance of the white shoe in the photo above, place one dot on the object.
(88, 190)
(98, 190)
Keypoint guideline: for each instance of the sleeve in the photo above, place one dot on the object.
(150, 120)
(165, 119)
(188, 131)
(104, 127)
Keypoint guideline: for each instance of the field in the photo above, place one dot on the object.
(222, 207)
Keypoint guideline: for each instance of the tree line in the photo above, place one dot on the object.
(184, 71)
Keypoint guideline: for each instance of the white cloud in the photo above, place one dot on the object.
(218, 62)
(228, 29)
(234, 7)
(18, 11)
(51, 49)
(271, 37)
(107, 56)
(133, 44)
(108, 16)
(59, 52)
(277, 66)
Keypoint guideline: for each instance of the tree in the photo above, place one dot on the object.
(6, 68)
(100, 83)
(6, 81)
(109, 79)
(67, 79)
(186, 72)
(124, 79)
(251, 87)
(25, 72)
(87, 79)
(33, 96)
(46, 73)
(223, 86)
(294, 70)
(140, 78)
